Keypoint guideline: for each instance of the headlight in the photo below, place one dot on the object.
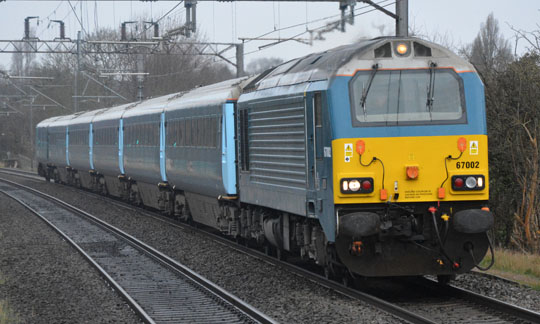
(470, 182)
(356, 185)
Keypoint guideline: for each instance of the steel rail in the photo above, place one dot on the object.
(131, 302)
(161, 258)
(21, 173)
(492, 303)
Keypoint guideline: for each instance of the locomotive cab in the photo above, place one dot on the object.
(410, 166)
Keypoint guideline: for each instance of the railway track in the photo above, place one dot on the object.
(424, 301)
(157, 288)
(447, 303)
(22, 173)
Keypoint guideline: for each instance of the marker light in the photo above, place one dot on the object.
(480, 182)
(366, 185)
(462, 144)
(345, 185)
(470, 182)
(360, 147)
(458, 183)
(402, 49)
(354, 185)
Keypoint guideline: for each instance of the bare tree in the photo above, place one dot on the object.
(261, 64)
(531, 38)
(490, 52)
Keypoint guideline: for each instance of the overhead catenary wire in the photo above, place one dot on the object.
(322, 19)
(160, 18)
(76, 16)
(314, 29)
(48, 18)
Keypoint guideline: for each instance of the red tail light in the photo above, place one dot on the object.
(458, 183)
(366, 185)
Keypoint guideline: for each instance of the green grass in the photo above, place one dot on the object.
(516, 266)
(6, 314)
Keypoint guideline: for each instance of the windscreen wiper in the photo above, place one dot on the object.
(365, 90)
(431, 88)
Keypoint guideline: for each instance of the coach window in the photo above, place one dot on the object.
(188, 132)
(111, 137)
(154, 135)
(145, 133)
(170, 132)
(149, 134)
(196, 135)
(197, 132)
(135, 133)
(179, 133)
(101, 137)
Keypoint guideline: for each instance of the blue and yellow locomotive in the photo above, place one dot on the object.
(369, 158)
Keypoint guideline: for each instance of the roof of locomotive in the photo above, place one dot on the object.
(347, 59)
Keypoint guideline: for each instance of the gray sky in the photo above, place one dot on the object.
(457, 20)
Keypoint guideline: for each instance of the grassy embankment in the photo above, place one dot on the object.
(515, 266)
(6, 315)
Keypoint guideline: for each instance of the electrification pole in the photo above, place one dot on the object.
(76, 81)
(402, 20)
(240, 60)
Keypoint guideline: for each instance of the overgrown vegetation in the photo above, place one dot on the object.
(512, 86)
(6, 314)
(517, 266)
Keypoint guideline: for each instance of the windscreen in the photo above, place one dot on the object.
(393, 97)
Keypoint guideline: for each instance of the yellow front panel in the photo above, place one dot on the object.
(398, 153)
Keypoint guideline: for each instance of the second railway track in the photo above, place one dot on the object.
(158, 288)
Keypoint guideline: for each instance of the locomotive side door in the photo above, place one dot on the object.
(315, 152)
(318, 150)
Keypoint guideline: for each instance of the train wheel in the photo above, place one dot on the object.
(327, 272)
(280, 254)
(346, 280)
(445, 279)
